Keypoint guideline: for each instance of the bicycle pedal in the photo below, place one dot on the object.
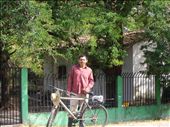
(75, 121)
(74, 125)
(78, 115)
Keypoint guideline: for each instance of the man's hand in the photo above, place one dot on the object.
(86, 90)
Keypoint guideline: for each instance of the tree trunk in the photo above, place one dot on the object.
(4, 78)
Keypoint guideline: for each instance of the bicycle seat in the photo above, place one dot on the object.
(97, 98)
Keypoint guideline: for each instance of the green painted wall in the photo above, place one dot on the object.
(139, 113)
(126, 114)
(118, 114)
(41, 118)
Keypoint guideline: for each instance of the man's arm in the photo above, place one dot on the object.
(91, 80)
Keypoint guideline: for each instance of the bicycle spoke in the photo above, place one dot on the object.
(95, 116)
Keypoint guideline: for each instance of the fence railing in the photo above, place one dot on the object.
(138, 89)
(165, 88)
(39, 90)
(10, 96)
(38, 97)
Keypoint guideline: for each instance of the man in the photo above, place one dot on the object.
(80, 81)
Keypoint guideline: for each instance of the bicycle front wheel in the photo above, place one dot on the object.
(52, 117)
(95, 115)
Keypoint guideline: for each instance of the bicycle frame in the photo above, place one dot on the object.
(73, 98)
(81, 114)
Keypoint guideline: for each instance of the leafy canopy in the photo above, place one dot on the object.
(31, 30)
(93, 22)
(157, 27)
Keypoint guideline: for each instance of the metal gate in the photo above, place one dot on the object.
(10, 96)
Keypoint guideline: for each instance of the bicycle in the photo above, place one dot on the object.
(91, 112)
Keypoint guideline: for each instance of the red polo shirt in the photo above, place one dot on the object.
(80, 80)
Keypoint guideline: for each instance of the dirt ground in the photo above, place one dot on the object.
(146, 123)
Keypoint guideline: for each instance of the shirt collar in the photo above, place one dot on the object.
(79, 66)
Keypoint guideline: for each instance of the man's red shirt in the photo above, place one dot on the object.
(80, 80)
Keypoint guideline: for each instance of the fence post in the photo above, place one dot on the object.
(158, 98)
(24, 95)
(120, 96)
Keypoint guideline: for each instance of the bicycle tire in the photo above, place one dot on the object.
(90, 116)
(52, 117)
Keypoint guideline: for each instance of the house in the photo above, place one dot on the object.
(56, 73)
(133, 42)
(141, 86)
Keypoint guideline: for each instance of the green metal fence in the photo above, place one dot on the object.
(10, 97)
(116, 114)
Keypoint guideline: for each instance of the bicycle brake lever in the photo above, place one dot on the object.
(91, 93)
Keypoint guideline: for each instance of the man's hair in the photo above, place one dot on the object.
(82, 55)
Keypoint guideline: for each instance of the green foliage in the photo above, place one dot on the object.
(36, 42)
(12, 23)
(153, 17)
(26, 32)
(96, 23)
(157, 30)
(30, 30)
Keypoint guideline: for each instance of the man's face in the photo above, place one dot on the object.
(82, 61)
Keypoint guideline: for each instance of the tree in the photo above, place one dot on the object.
(25, 38)
(36, 41)
(153, 17)
(158, 28)
(99, 22)
(24, 29)
(67, 28)
(13, 17)
(32, 29)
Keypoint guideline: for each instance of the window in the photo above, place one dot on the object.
(62, 72)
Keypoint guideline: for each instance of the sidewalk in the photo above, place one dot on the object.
(146, 123)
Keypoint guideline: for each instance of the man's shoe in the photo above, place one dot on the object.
(70, 121)
(81, 124)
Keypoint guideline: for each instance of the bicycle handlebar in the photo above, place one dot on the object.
(71, 93)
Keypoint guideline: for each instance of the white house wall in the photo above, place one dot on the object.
(51, 76)
(132, 62)
(138, 58)
(51, 73)
(128, 61)
(127, 69)
(100, 83)
(144, 86)
(138, 86)
(48, 64)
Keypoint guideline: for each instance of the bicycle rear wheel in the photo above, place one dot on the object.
(52, 117)
(95, 115)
